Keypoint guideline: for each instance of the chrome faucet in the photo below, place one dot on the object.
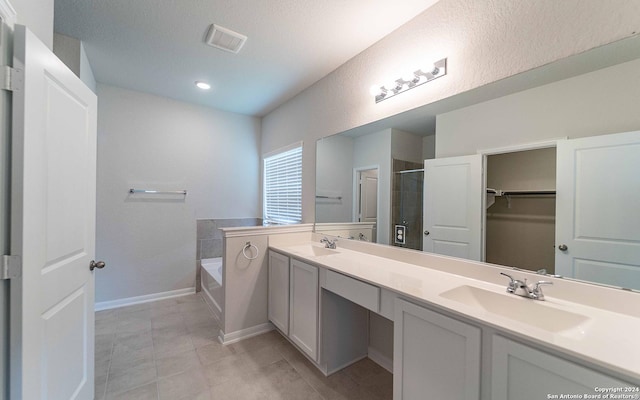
(521, 288)
(329, 244)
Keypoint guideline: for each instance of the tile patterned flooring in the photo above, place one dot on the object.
(168, 350)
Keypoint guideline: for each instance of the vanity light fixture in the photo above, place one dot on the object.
(381, 92)
(203, 85)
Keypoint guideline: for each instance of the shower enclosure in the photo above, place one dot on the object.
(406, 205)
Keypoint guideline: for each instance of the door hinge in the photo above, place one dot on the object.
(11, 78)
(10, 267)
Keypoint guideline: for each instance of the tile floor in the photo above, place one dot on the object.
(168, 350)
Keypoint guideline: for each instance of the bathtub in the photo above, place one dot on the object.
(212, 285)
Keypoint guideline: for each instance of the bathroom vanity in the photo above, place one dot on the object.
(457, 333)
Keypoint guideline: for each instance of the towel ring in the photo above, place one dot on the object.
(248, 246)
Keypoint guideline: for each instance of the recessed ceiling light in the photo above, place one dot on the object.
(203, 85)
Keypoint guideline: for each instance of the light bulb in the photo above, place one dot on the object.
(203, 85)
(426, 73)
(394, 85)
(375, 90)
(410, 77)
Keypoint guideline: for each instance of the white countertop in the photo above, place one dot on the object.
(608, 339)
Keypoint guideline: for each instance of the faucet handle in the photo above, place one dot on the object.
(537, 285)
(537, 290)
(512, 283)
(508, 276)
(330, 244)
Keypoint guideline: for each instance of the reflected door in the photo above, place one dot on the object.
(453, 206)
(368, 189)
(52, 227)
(598, 209)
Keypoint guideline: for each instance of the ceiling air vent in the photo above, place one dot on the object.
(225, 39)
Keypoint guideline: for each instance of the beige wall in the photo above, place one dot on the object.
(406, 146)
(37, 15)
(71, 52)
(335, 179)
(151, 142)
(523, 170)
(246, 284)
(596, 103)
(484, 41)
(429, 147)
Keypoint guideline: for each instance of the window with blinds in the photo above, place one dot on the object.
(283, 187)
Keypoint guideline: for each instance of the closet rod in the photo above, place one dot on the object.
(408, 171)
(499, 192)
(183, 192)
(528, 192)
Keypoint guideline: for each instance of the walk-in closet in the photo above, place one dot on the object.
(521, 209)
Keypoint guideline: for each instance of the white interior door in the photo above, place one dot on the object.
(53, 227)
(453, 206)
(598, 209)
(369, 196)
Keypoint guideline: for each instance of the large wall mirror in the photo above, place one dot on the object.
(526, 131)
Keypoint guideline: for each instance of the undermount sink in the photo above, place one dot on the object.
(527, 311)
(310, 250)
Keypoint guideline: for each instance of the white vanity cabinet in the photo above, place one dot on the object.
(435, 356)
(293, 301)
(520, 372)
(437, 353)
(303, 311)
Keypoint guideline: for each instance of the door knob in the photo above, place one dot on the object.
(563, 247)
(93, 265)
(426, 233)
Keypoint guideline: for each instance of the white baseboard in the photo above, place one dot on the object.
(236, 336)
(129, 301)
(380, 359)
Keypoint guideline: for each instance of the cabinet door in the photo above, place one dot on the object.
(434, 356)
(303, 328)
(519, 372)
(279, 291)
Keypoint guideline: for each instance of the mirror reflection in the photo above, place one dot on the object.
(376, 179)
(561, 121)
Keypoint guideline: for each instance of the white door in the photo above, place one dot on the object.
(53, 227)
(369, 196)
(453, 206)
(598, 209)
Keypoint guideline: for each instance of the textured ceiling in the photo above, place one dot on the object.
(156, 46)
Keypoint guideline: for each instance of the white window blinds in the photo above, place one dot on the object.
(283, 187)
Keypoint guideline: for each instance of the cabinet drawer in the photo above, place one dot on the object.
(368, 296)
